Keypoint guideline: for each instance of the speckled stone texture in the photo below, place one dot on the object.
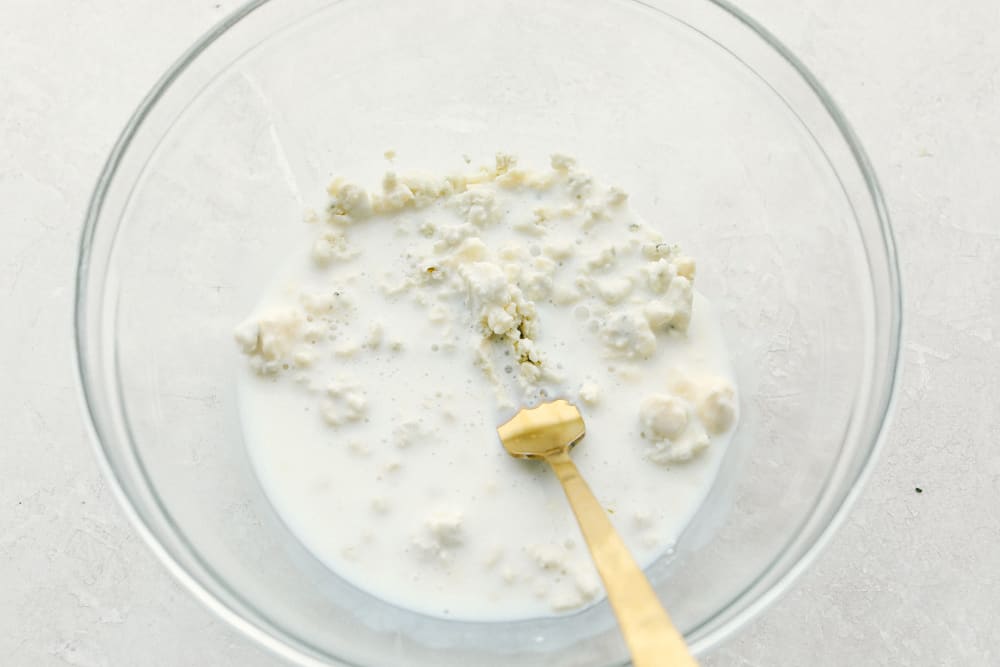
(911, 579)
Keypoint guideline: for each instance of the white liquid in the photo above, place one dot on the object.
(435, 516)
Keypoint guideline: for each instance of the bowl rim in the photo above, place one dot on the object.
(284, 650)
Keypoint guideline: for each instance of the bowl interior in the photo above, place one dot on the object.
(722, 143)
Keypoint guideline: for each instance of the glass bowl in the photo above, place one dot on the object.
(724, 140)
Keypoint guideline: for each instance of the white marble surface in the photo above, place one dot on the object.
(911, 579)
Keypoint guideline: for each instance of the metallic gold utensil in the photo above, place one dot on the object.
(547, 432)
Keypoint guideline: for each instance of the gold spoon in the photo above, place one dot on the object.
(547, 432)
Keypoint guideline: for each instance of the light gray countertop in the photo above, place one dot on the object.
(910, 579)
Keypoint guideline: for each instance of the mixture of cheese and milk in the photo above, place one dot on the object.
(423, 315)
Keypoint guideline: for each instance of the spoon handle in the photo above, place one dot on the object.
(652, 639)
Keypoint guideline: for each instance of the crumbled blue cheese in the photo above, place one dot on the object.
(716, 401)
(376, 333)
(590, 393)
(616, 196)
(345, 402)
(505, 162)
(441, 534)
(603, 258)
(629, 305)
(477, 206)
(395, 195)
(614, 289)
(628, 333)
(663, 417)
(332, 246)
(560, 250)
(685, 266)
(561, 162)
(678, 425)
(580, 185)
(303, 358)
(408, 432)
(348, 202)
(659, 274)
(347, 348)
(270, 340)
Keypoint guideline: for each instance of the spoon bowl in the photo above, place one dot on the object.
(537, 433)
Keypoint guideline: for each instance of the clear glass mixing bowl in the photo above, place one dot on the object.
(722, 137)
